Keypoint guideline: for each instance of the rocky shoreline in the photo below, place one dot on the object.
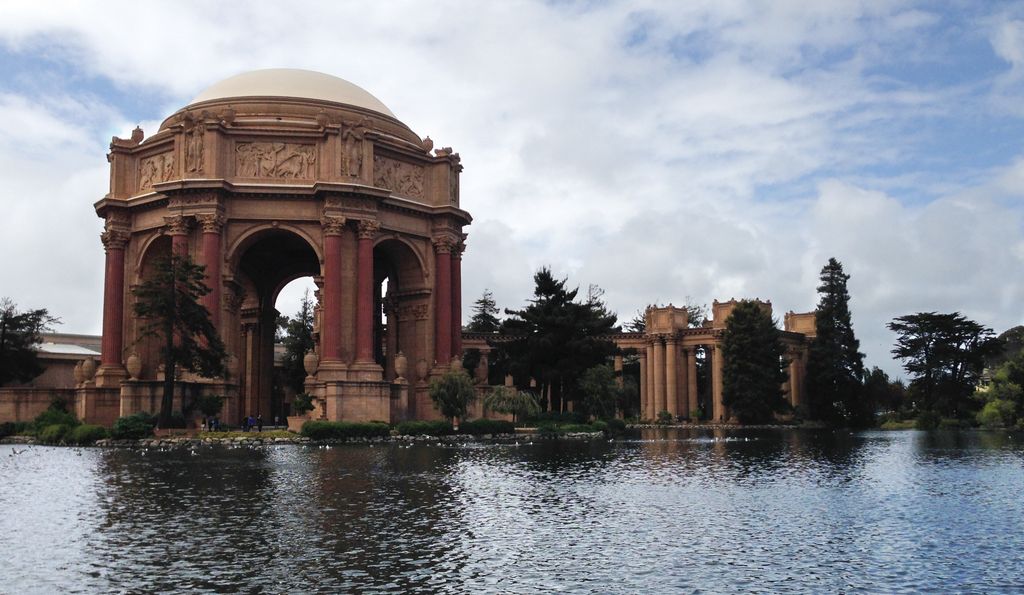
(191, 442)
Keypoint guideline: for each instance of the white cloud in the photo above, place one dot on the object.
(710, 149)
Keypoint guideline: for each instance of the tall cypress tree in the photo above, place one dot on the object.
(485, 315)
(835, 367)
(752, 373)
(169, 302)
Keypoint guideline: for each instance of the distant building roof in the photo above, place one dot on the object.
(65, 349)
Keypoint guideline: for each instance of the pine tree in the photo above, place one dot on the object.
(557, 338)
(169, 301)
(752, 369)
(835, 367)
(298, 341)
(485, 315)
(19, 335)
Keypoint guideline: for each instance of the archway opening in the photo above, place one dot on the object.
(295, 336)
(269, 262)
(401, 298)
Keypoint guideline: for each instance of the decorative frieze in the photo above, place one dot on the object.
(155, 169)
(352, 134)
(275, 160)
(404, 179)
(194, 149)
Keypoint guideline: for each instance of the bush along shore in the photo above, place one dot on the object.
(137, 431)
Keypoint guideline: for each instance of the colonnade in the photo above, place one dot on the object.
(668, 377)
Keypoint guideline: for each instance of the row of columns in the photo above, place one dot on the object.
(331, 324)
(668, 382)
(448, 297)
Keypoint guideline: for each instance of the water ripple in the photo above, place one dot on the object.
(675, 511)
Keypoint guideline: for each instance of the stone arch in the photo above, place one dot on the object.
(405, 307)
(253, 233)
(147, 348)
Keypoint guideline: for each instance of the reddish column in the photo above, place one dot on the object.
(212, 225)
(112, 343)
(177, 228)
(330, 331)
(443, 301)
(364, 291)
(456, 268)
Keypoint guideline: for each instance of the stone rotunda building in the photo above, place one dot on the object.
(264, 178)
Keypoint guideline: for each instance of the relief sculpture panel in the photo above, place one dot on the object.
(155, 169)
(275, 160)
(402, 178)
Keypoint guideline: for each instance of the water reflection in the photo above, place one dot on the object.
(660, 511)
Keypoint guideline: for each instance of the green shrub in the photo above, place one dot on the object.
(86, 434)
(998, 413)
(302, 403)
(53, 433)
(14, 428)
(133, 427)
(577, 428)
(695, 414)
(477, 427)
(664, 417)
(424, 428)
(616, 426)
(599, 426)
(342, 430)
(549, 428)
(568, 417)
(452, 393)
(927, 420)
(952, 423)
(53, 417)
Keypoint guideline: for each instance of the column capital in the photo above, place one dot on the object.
(332, 225)
(114, 238)
(368, 228)
(443, 244)
(211, 222)
(177, 225)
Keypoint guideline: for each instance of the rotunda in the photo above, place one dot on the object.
(266, 177)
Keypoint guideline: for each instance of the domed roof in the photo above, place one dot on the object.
(292, 82)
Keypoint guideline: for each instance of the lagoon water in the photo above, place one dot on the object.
(670, 511)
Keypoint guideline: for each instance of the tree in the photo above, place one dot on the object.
(600, 392)
(298, 341)
(944, 354)
(835, 367)
(880, 391)
(169, 301)
(485, 315)
(506, 399)
(752, 369)
(557, 338)
(19, 335)
(452, 393)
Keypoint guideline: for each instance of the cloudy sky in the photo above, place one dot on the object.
(660, 150)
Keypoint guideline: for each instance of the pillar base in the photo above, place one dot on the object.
(370, 371)
(332, 371)
(110, 376)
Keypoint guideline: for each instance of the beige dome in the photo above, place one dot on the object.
(291, 82)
